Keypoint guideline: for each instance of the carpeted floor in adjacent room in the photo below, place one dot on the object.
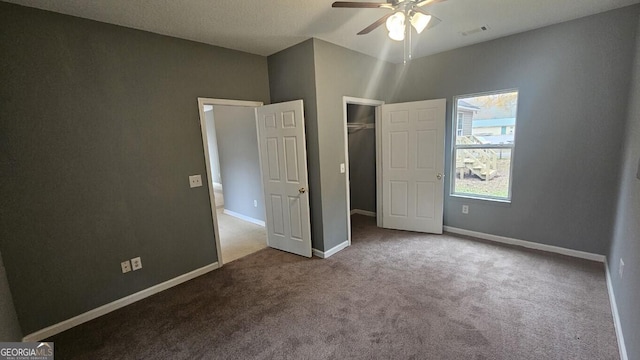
(391, 295)
(239, 238)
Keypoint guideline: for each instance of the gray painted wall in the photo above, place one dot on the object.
(212, 142)
(341, 72)
(292, 77)
(322, 73)
(239, 159)
(573, 80)
(362, 158)
(9, 326)
(99, 133)
(626, 239)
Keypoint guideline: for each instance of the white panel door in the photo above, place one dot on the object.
(283, 159)
(412, 137)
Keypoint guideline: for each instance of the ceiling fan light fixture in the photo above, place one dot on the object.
(396, 26)
(404, 15)
(397, 35)
(420, 21)
(395, 22)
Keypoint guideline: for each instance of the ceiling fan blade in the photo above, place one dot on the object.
(427, 2)
(355, 4)
(377, 23)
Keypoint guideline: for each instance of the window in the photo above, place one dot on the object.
(482, 159)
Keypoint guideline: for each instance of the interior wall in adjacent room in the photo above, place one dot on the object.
(626, 236)
(239, 160)
(212, 142)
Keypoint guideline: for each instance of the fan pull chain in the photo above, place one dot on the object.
(407, 44)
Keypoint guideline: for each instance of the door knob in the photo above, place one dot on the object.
(302, 190)
(439, 176)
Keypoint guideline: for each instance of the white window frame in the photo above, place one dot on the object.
(455, 147)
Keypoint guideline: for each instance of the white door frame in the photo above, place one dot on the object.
(370, 102)
(203, 127)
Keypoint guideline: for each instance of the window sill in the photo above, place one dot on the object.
(462, 197)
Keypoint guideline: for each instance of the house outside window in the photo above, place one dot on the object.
(483, 145)
(460, 129)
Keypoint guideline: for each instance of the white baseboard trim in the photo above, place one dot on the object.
(616, 317)
(244, 217)
(333, 250)
(363, 212)
(528, 244)
(115, 305)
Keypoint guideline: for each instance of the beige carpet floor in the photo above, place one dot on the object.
(391, 295)
(239, 238)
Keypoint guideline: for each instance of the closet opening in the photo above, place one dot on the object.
(360, 144)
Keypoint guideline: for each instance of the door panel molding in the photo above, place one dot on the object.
(411, 164)
(283, 163)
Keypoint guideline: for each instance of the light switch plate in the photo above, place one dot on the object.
(195, 181)
(342, 168)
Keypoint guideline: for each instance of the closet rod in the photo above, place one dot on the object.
(361, 125)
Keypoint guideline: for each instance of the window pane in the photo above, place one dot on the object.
(481, 120)
(486, 119)
(482, 172)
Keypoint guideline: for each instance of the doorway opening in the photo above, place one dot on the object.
(233, 173)
(360, 121)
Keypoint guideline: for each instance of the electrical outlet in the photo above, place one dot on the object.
(465, 209)
(255, 203)
(136, 263)
(621, 268)
(195, 181)
(126, 266)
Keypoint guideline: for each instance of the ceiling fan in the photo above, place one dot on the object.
(402, 11)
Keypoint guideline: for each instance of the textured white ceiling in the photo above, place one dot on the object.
(264, 27)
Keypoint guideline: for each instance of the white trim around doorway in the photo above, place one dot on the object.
(203, 127)
(356, 101)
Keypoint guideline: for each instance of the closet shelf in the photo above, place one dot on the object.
(360, 126)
